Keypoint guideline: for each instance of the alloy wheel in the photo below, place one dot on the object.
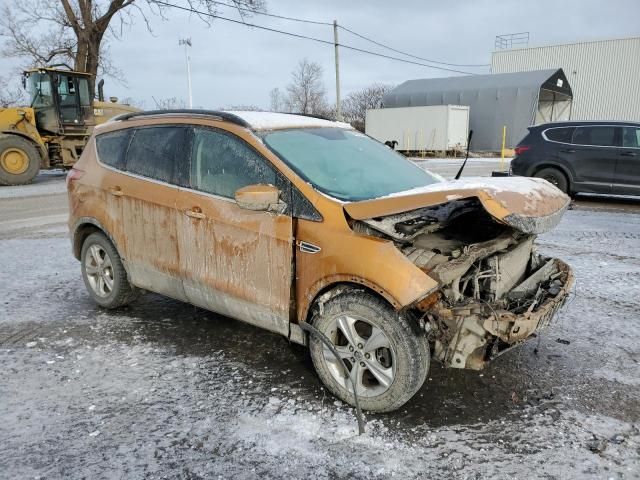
(366, 352)
(99, 270)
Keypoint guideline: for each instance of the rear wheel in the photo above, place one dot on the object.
(386, 359)
(19, 160)
(555, 177)
(103, 273)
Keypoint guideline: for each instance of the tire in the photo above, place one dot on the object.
(403, 365)
(101, 265)
(19, 160)
(554, 177)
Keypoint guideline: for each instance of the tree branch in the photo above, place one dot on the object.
(71, 16)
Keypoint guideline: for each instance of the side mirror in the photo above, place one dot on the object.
(265, 198)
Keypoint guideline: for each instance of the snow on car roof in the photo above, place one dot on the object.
(276, 121)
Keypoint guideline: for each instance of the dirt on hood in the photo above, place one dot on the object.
(530, 205)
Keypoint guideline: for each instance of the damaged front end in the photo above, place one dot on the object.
(495, 290)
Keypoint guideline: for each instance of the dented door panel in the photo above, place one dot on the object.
(149, 218)
(236, 262)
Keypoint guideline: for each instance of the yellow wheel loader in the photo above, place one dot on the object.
(52, 131)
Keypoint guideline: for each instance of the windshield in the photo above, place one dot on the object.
(39, 88)
(346, 164)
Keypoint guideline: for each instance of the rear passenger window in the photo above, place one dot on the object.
(155, 151)
(597, 136)
(222, 163)
(559, 134)
(112, 147)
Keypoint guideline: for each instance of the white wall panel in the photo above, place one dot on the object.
(604, 75)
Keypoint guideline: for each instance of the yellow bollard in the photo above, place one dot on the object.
(504, 138)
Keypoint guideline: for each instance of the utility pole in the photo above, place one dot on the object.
(335, 45)
(187, 43)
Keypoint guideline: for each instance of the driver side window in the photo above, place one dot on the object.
(222, 163)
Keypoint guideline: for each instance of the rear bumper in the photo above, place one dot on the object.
(484, 333)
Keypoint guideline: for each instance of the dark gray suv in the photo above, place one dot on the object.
(590, 157)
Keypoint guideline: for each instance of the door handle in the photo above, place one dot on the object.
(116, 191)
(628, 154)
(568, 150)
(195, 212)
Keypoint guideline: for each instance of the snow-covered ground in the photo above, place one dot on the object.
(162, 389)
(48, 182)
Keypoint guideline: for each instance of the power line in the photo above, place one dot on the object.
(351, 32)
(265, 14)
(261, 27)
(293, 19)
(314, 39)
(390, 57)
(409, 54)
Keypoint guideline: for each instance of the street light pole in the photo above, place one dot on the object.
(335, 45)
(187, 43)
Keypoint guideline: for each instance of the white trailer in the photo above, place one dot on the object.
(437, 127)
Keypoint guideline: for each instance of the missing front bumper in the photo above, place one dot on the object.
(469, 336)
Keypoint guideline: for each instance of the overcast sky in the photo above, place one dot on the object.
(233, 64)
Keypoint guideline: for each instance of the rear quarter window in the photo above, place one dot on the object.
(112, 147)
(562, 135)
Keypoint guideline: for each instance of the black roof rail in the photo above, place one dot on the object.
(229, 117)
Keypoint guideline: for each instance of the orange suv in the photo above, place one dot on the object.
(285, 221)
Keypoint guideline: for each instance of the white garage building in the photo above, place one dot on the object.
(604, 75)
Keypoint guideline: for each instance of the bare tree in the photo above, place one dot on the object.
(276, 99)
(8, 95)
(77, 31)
(356, 104)
(306, 93)
(241, 108)
(134, 102)
(171, 103)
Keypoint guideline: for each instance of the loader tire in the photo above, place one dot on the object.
(19, 160)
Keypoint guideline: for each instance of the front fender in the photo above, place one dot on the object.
(373, 263)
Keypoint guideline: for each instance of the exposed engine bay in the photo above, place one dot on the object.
(495, 289)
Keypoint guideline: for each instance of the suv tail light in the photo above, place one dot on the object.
(521, 149)
(74, 174)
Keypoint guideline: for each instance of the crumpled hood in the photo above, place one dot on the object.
(530, 205)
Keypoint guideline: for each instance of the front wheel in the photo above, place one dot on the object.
(384, 356)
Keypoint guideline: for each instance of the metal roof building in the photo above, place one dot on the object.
(514, 100)
(604, 75)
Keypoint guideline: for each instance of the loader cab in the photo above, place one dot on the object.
(60, 99)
